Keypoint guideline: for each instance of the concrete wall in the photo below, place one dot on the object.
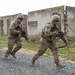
(70, 21)
(36, 20)
(0, 26)
(41, 17)
(7, 20)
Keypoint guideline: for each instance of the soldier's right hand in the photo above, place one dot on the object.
(19, 32)
(56, 32)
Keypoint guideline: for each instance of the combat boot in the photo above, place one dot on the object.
(33, 62)
(13, 54)
(59, 66)
(6, 56)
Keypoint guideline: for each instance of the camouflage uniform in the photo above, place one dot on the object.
(14, 38)
(47, 41)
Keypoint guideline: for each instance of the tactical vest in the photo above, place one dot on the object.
(50, 38)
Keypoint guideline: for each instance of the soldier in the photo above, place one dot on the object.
(14, 36)
(47, 41)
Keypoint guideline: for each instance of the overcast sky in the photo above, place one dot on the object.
(10, 7)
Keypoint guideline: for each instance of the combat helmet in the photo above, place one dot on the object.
(20, 16)
(55, 18)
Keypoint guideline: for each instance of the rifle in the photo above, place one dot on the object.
(61, 35)
(23, 33)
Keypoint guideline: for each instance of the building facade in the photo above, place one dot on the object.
(35, 21)
(38, 19)
(6, 20)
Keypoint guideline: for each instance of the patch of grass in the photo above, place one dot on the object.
(3, 41)
(30, 45)
(67, 53)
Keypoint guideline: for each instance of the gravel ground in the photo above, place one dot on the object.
(22, 66)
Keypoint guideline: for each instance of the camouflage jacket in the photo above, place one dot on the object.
(47, 33)
(12, 29)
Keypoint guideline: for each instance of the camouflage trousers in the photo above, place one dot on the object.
(11, 42)
(44, 45)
